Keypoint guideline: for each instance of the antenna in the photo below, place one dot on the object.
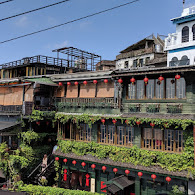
(183, 4)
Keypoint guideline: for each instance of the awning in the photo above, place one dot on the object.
(117, 184)
(8, 125)
(42, 81)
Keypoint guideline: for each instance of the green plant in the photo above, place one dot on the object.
(177, 191)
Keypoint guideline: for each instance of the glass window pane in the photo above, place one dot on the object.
(131, 91)
(170, 88)
(150, 89)
(181, 88)
(140, 89)
(160, 89)
(111, 132)
(129, 136)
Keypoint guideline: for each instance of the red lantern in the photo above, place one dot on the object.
(114, 121)
(153, 177)
(120, 81)
(127, 172)
(65, 160)
(177, 77)
(103, 168)
(68, 83)
(93, 166)
(85, 82)
(95, 82)
(38, 122)
(103, 121)
(74, 162)
(138, 123)
(60, 84)
(127, 122)
(65, 174)
(57, 158)
(87, 179)
(76, 83)
(132, 80)
(152, 125)
(168, 179)
(140, 174)
(161, 79)
(83, 164)
(105, 81)
(146, 80)
(115, 170)
(47, 123)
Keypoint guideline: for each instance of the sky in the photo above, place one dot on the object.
(106, 34)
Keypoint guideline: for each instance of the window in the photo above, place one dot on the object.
(124, 135)
(135, 63)
(181, 88)
(126, 64)
(174, 62)
(85, 133)
(150, 89)
(141, 62)
(193, 31)
(140, 89)
(170, 88)
(147, 59)
(174, 140)
(185, 34)
(160, 89)
(165, 140)
(131, 91)
(184, 61)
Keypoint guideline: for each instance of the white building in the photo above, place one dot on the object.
(181, 45)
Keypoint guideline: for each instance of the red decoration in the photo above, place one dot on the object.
(65, 174)
(83, 164)
(138, 123)
(152, 125)
(132, 80)
(127, 172)
(146, 80)
(153, 177)
(114, 121)
(120, 81)
(87, 179)
(60, 84)
(76, 83)
(103, 120)
(103, 185)
(68, 83)
(115, 170)
(57, 158)
(105, 81)
(65, 160)
(168, 179)
(85, 82)
(103, 168)
(38, 122)
(74, 162)
(93, 166)
(47, 123)
(177, 77)
(161, 79)
(95, 82)
(127, 122)
(140, 174)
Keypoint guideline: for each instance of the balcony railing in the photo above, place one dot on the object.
(185, 38)
(86, 103)
(179, 63)
(12, 109)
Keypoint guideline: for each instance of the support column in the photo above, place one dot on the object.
(137, 186)
(92, 187)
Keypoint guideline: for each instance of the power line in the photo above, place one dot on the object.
(27, 12)
(5, 1)
(46, 29)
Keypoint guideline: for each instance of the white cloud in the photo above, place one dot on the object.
(22, 22)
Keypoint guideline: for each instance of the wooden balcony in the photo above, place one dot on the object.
(11, 109)
(86, 103)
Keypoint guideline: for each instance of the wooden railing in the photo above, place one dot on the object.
(13, 109)
(86, 102)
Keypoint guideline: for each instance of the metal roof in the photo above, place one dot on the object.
(41, 80)
(8, 125)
